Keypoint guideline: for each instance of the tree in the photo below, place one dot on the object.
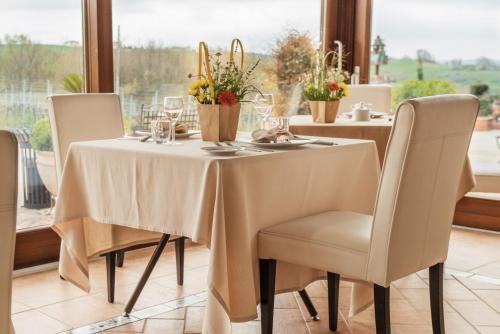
(417, 88)
(292, 56)
(485, 64)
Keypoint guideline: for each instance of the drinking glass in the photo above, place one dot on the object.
(281, 123)
(264, 104)
(173, 106)
(160, 130)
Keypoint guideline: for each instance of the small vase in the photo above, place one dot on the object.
(324, 111)
(219, 122)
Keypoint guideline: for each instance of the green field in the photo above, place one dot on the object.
(406, 69)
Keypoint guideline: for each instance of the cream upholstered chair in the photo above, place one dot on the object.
(410, 227)
(82, 117)
(379, 96)
(8, 210)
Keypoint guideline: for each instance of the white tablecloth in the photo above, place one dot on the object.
(114, 192)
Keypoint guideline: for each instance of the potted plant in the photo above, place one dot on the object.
(219, 90)
(41, 142)
(324, 87)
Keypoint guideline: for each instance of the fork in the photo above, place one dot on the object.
(246, 148)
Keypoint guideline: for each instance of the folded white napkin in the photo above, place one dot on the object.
(274, 135)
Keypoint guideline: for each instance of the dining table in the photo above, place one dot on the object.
(116, 193)
(376, 129)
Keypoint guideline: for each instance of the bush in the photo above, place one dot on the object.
(485, 102)
(40, 135)
(414, 88)
(479, 89)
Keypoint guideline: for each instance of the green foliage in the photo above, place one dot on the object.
(479, 89)
(414, 88)
(128, 125)
(40, 135)
(73, 83)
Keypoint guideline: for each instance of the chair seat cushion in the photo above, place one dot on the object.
(334, 241)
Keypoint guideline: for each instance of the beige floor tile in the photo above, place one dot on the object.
(318, 288)
(82, 311)
(31, 322)
(411, 329)
(470, 249)
(454, 323)
(490, 270)
(161, 326)
(153, 294)
(454, 290)
(478, 284)
(476, 312)
(410, 282)
(288, 321)
(488, 330)
(178, 314)
(17, 307)
(322, 326)
(194, 320)
(491, 297)
(420, 300)
(43, 289)
(286, 300)
(195, 281)
(135, 327)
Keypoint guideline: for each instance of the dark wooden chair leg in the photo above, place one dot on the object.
(333, 300)
(110, 270)
(267, 270)
(179, 259)
(309, 305)
(120, 258)
(436, 294)
(147, 272)
(382, 309)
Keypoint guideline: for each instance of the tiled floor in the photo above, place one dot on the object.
(42, 303)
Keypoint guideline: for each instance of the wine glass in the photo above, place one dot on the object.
(173, 107)
(264, 104)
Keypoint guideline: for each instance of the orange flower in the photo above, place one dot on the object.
(332, 86)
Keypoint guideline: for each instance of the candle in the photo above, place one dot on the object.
(339, 55)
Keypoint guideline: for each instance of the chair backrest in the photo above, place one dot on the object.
(8, 210)
(82, 117)
(379, 96)
(416, 199)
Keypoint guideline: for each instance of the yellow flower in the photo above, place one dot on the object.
(344, 88)
(192, 91)
(200, 97)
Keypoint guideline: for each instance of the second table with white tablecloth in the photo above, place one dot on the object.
(127, 188)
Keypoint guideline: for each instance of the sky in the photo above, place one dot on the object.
(448, 29)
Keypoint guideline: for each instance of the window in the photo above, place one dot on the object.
(432, 47)
(156, 47)
(40, 54)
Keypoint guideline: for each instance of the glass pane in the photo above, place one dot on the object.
(40, 55)
(156, 48)
(435, 47)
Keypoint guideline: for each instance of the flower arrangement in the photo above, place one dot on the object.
(326, 83)
(231, 83)
(219, 88)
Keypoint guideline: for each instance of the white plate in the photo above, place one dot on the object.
(177, 135)
(292, 143)
(221, 150)
(373, 114)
